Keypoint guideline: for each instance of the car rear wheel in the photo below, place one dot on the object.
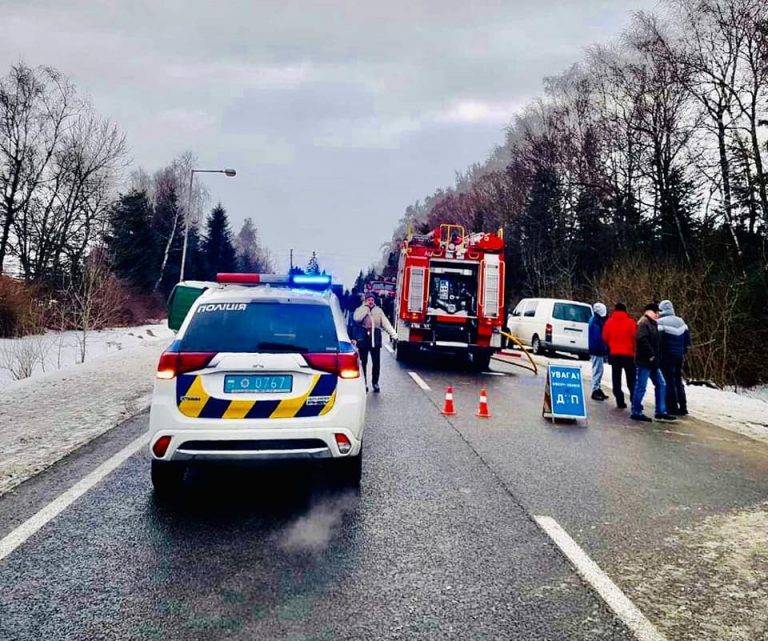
(536, 345)
(167, 477)
(348, 472)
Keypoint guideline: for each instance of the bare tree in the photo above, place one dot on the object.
(69, 210)
(94, 301)
(37, 107)
(706, 52)
(175, 179)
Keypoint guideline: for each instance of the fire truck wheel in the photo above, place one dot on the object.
(402, 353)
(481, 361)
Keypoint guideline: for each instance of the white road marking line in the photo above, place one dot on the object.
(419, 381)
(388, 347)
(627, 611)
(36, 522)
(494, 374)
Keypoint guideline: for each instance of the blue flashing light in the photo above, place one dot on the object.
(311, 279)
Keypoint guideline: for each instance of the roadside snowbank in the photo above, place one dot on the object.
(46, 416)
(54, 351)
(744, 412)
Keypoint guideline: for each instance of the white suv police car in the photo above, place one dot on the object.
(261, 369)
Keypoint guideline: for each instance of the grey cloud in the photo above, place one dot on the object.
(298, 108)
(337, 114)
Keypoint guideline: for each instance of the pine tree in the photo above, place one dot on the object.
(132, 241)
(218, 250)
(312, 266)
(251, 257)
(592, 244)
(197, 267)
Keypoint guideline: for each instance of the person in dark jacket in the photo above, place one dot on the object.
(675, 342)
(619, 336)
(648, 361)
(598, 350)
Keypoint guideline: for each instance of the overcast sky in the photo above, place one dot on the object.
(336, 115)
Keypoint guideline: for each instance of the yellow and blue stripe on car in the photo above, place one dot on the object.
(193, 401)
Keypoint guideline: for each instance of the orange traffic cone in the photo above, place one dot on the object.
(448, 407)
(482, 408)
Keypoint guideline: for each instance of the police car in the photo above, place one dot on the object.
(261, 369)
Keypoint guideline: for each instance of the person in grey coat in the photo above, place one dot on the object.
(675, 343)
(371, 320)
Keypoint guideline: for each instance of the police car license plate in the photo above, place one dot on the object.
(258, 383)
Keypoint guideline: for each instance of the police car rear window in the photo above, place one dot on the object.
(267, 327)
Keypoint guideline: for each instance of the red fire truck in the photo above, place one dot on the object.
(384, 287)
(450, 294)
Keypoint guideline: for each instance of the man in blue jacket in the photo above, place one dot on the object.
(598, 350)
(675, 342)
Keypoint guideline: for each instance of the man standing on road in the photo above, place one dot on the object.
(648, 361)
(598, 350)
(675, 341)
(619, 336)
(372, 320)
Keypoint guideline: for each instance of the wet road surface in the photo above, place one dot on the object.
(434, 547)
(675, 513)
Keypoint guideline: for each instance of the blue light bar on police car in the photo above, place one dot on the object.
(311, 279)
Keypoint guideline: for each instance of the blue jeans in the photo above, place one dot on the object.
(659, 387)
(597, 372)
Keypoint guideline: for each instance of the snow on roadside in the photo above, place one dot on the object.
(744, 412)
(49, 415)
(61, 350)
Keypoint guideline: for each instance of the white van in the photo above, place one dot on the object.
(552, 324)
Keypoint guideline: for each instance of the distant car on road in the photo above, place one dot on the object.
(262, 369)
(552, 325)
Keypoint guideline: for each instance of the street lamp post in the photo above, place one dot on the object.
(192, 172)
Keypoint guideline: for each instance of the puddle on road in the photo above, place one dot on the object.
(712, 582)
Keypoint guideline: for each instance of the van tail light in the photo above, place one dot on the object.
(174, 363)
(548, 333)
(343, 364)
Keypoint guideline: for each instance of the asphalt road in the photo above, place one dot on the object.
(435, 547)
(675, 513)
(440, 543)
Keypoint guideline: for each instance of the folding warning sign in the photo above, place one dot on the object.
(564, 393)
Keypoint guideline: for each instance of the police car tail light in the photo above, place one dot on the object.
(349, 366)
(174, 363)
(342, 442)
(161, 446)
(343, 365)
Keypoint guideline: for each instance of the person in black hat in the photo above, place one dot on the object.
(371, 320)
(648, 362)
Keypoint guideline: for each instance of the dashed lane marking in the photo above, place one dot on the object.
(39, 520)
(622, 607)
(494, 374)
(388, 347)
(419, 381)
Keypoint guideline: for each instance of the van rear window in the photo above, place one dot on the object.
(268, 327)
(572, 313)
